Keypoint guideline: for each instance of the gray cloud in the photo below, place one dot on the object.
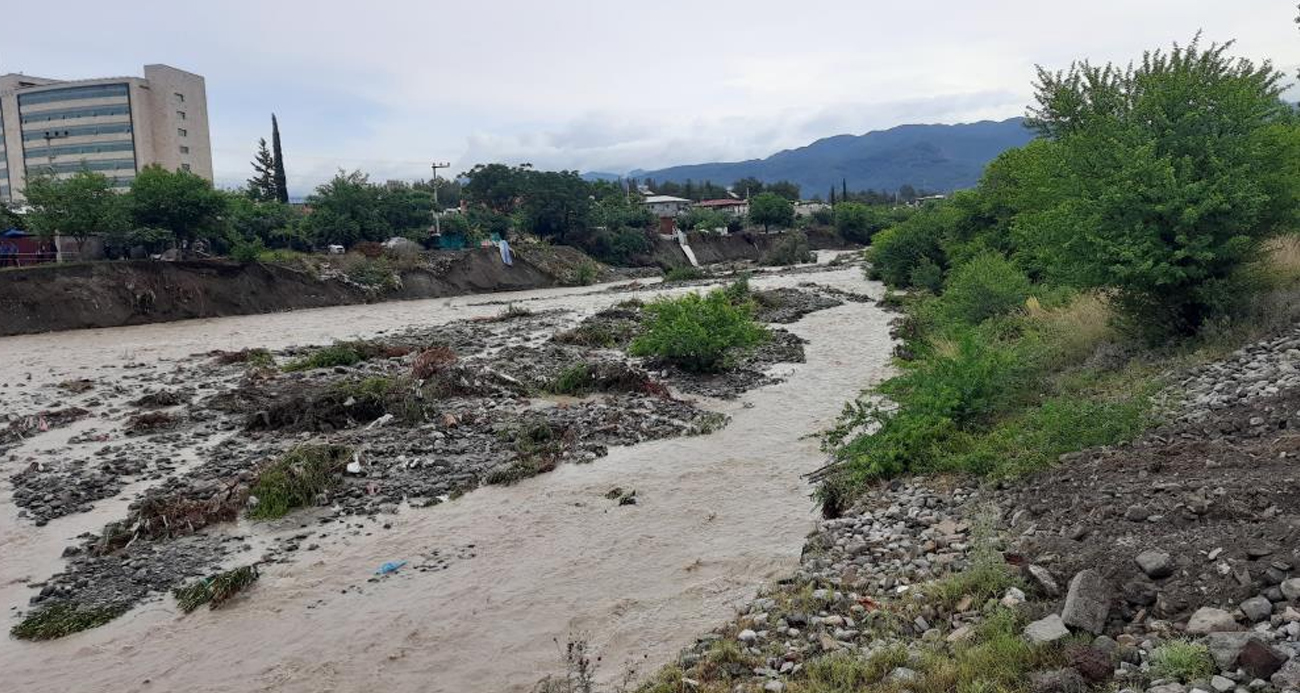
(392, 84)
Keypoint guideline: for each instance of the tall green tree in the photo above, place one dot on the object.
(1170, 175)
(345, 210)
(81, 205)
(557, 204)
(496, 186)
(786, 189)
(179, 201)
(281, 182)
(770, 209)
(262, 186)
(747, 187)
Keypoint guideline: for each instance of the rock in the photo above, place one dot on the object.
(1045, 630)
(1291, 589)
(1257, 609)
(1221, 684)
(1260, 660)
(747, 636)
(1168, 688)
(1013, 598)
(1208, 619)
(1136, 513)
(1057, 681)
(774, 686)
(1042, 578)
(1289, 676)
(1087, 602)
(902, 675)
(1156, 564)
(1225, 647)
(961, 634)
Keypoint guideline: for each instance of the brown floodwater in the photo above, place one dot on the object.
(718, 516)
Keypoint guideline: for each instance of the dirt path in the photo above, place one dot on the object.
(718, 515)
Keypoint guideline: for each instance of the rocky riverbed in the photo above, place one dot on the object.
(149, 478)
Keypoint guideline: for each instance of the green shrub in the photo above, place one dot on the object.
(1182, 660)
(296, 479)
(248, 252)
(685, 273)
(858, 222)
(792, 249)
(937, 398)
(986, 286)
(927, 275)
(897, 251)
(585, 274)
(697, 333)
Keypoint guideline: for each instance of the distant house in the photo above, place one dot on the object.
(666, 206)
(926, 198)
(736, 208)
(807, 209)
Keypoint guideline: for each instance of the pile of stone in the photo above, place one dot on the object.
(1261, 369)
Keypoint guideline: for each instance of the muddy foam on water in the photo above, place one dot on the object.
(532, 564)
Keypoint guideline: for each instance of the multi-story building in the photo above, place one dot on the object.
(113, 125)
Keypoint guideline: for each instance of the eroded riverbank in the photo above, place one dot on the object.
(506, 569)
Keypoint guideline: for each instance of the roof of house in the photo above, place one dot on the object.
(725, 202)
(657, 199)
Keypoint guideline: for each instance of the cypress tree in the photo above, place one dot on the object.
(281, 185)
(832, 196)
(844, 189)
(261, 186)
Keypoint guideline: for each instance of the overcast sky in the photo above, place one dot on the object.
(386, 86)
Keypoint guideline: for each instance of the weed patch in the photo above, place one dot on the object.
(297, 479)
(684, 274)
(58, 620)
(1182, 660)
(344, 354)
(215, 590)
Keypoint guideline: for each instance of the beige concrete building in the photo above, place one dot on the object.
(114, 125)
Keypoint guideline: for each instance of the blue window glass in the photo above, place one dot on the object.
(70, 149)
(95, 91)
(73, 113)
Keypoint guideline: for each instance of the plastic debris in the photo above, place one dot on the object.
(390, 567)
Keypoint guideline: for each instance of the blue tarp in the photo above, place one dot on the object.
(506, 257)
(14, 233)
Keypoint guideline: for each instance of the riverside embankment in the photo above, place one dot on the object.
(493, 576)
(138, 292)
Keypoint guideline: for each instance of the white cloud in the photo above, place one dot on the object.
(389, 85)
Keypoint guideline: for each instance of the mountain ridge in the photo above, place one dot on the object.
(936, 156)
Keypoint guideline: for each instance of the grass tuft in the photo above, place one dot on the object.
(1182, 660)
(58, 620)
(215, 590)
(297, 479)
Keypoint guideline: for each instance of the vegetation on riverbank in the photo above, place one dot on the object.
(1045, 304)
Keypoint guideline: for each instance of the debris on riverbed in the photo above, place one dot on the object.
(431, 413)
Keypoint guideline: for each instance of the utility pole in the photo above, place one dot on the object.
(437, 211)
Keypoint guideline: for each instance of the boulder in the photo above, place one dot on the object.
(1291, 589)
(1042, 578)
(1226, 647)
(1288, 677)
(1045, 630)
(1208, 619)
(1057, 681)
(1087, 602)
(1260, 660)
(1156, 564)
(1257, 609)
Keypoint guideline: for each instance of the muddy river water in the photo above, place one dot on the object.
(718, 516)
